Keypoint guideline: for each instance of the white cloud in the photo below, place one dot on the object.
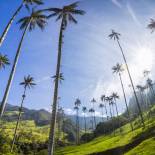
(45, 78)
(117, 3)
(69, 111)
(132, 14)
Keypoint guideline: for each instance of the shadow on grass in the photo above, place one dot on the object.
(135, 142)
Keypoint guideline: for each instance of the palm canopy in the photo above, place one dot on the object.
(101, 105)
(84, 109)
(28, 82)
(102, 98)
(66, 13)
(3, 61)
(152, 25)
(146, 73)
(76, 108)
(91, 110)
(77, 102)
(93, 100)
(149, 82)
(61, 77)
(37, 18)
(118, 68)
(114, 95)
(114, 35)
(31, 2)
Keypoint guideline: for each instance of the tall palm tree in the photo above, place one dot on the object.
(115, 96)
(64, 14)
(103, 99)
(27, 83)
(84, 109)
(93, 101)
(114, 35)
(77, 105)
(150, 85)
(102, 106)
(92, 113)
(3, 61)
(118, 70)
(25, 3)
(108, 99)
(29, 23)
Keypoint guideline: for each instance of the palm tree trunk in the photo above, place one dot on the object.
(110, 111)
(54, 106)
(12, 73)
(139, 108)
(125, 100)
(94, 120)
(106, 111)
(85, 123)
(78, 129)
(102, 115)
(2, 38)
(18, 120)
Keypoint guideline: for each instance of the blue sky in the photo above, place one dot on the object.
(88, 54)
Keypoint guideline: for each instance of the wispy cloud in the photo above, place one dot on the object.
(117, 3)
(132, 14)
(45, 78)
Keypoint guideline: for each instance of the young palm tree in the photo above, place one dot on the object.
(102, 106)
(93, 101)
(27, 23)
(114, 35)
(103, 99)
(25, 3)
(118, 70)
(65, 15)
(92, 113)
(3, 61)
(27, 83)
(77, 105)
(84, 109)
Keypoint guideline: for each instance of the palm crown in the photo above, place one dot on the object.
(91, 110)
(77, 102)
(35, 19)
(84, 109)
(118, 68)
(31, 2)
(152, 25)
(66, 13)
(93, 100)
(115, 96)
(114, 35)
(101, 105)
(102, 98)
(3, 61)
(28, 82)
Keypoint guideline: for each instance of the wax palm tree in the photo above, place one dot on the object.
(108, 99)
(77, 105)
(103, 99)
(27, 83)
(114, 35)
(118, 69)
(3, 61)
(151, 25)
(101, 106)
(150, 86)
(28, 23)
(65, 15)
(25, 3)
(93, 101)
(84, 109)
(92, 113)
(141, 90)
(115, 96)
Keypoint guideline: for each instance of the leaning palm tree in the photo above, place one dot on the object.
(36, 18)
(103, 99)
(118, 69)
(25, 3)
(65, 15)
(93, 101)
(84, 109)
(114, 35)
(3, 61)
(27, 83)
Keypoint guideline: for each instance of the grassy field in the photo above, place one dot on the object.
(139, 142)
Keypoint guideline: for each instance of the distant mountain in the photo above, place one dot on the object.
(42, 117)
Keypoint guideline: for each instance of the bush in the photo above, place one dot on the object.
(87, 137)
